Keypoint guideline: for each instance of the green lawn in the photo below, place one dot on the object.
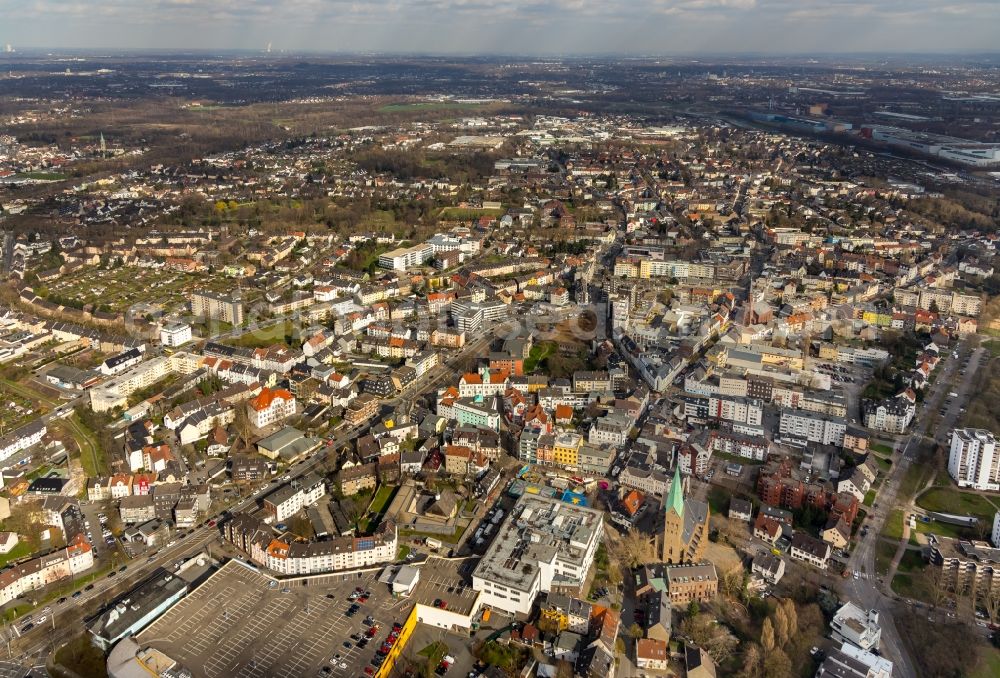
(893, 528)
(434, 652)
(916, 586)
(869, 498)
(950, 500)
(446, 538)
(382, 498)
(988, 665)
(261, 338)
(942, 529)
(993, 347)
(911, 562)
(430, 106)
(43, 176)
(465, 213)
(915, 478)
(91, 453)
(539, 352)
(20, 551)
(881, 448)
(402, 552)
(81, 658)
(884, 553)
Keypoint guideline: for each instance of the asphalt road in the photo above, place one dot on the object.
(870, 592)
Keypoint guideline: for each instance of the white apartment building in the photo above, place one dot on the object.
(813, 427)
(891, 415)
(610, 429)
(973, 460)
(543, 545)
(406, 257)
(736, 409)
(114, 393)
(40, 572)
(304, 558)
(851, 662)
(856, 626)
(292, 497)
(175, 334)
(21, 439)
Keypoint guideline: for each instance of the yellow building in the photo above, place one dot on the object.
(645, 268)
(566, 450)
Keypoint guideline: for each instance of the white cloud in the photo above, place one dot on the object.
(514, 26)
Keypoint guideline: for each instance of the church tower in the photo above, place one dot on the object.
(674, 548)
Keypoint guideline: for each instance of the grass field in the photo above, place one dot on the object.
(893, 528)
(949, 500)
(468, 213)
(446, 538)
(988, 665)
(20, 551)
(916, 476)
(911, 562)
(539, 352)
(382, 498)
(881, 448)
(941, 529)
(434, 652)
(260, 338)
(43, 176)
(429, 106)
(993, 347)
(884, 553)
(914, 586)
(869, 498)
(92, 456)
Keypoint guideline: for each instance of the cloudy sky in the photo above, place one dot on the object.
(509, 27)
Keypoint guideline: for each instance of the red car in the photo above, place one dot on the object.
(371, 631)
(396, 626)
(363, 599)
(369, 671)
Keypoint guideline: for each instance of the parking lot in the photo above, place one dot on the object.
(241, 623)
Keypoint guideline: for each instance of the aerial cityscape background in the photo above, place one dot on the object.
(507, 341)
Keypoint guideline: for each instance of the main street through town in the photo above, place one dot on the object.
(872, 590)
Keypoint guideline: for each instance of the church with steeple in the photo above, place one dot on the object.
(685, 525)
